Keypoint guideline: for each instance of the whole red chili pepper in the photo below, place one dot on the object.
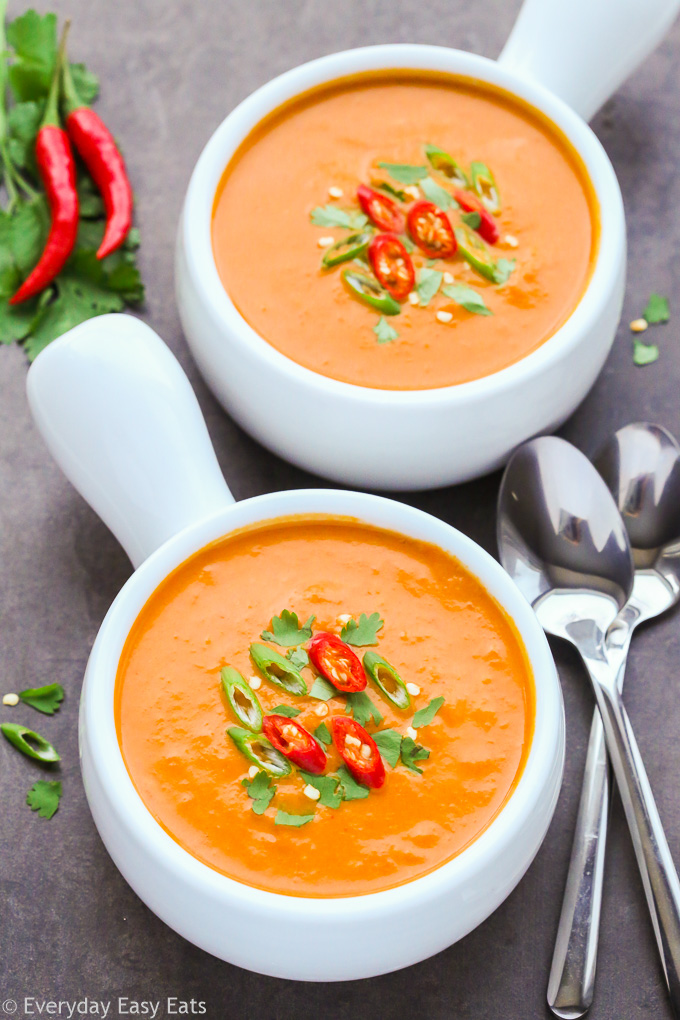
(58, 173)
(102, 157)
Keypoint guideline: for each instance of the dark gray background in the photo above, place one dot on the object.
(70, 926)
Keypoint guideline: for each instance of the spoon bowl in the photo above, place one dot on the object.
(561, 537)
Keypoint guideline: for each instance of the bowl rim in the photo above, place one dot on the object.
(196, 217)
(98, 727)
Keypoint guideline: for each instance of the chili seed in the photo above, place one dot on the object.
(413, 298)
(325, 242)
(448, 277)
(511, 241)
(410, 732)
(639, 325)
(255, 682)
(413, 689)
(10, 699)
(335, 192)
(444, 316)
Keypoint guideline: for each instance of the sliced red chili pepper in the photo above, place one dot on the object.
(291, 738)
(488, 228)
(337, 662)
(392, 265)
(381, 210)
(352, 740)
(431, 230)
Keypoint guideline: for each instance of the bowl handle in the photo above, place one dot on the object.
(582, 50)
(121, 420)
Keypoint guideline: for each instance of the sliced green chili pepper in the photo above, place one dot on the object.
(29, 743)
(447, 165)
(279, 671)
(476, 253)
(387, 679)
(484, 183)
(242, 699)
(259, 751)
(346, 249)
(370, 292)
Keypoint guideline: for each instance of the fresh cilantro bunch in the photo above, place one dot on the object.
(86, 286)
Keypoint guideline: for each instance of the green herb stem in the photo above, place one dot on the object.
(72, 100)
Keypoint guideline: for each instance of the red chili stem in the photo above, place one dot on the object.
(58, 174)
(102, 157)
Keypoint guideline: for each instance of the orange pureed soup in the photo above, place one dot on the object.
(296, 175)
(441, 631)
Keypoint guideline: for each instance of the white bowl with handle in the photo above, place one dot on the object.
(120, 418)
(563, 59)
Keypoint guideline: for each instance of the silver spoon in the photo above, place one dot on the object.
(563, 541)
(641, 466)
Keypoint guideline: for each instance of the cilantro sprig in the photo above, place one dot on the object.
(364, 632)
(44, 699)
(86, 287)
(287, 630)
(261, 791)
(44, 797)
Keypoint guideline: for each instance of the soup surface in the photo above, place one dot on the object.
(437, 626)
(290, 193)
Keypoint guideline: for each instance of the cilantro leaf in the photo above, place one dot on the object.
(657, 309)
(283, 818)
(86, 83)
(75, 302)
(389, 745)
(261, 791)
(34, 40)
(503, 269)
(362, 708)
(298, 657)
(467, 298)
(327, 787)
(331, 216)
(411, 753)
(429, 282)
(405, 173)
(323, 734)
(365, 632)
(435, 193)
(23, 121)
(472, 219)
(349, 788)
(44, 797)
(384, 332)
(322, 690)
(644, 354)
(424, 716)
(286, 710)
(44, 699)
(286, 629)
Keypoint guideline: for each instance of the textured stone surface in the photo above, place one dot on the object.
(71, 926)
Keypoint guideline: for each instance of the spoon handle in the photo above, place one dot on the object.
(659, 877)
(572, 973)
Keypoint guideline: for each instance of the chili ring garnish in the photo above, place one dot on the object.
(370, 292)
(359, 751)
(487, 228)
(386, 678)
(336, 661)
(291, 739)
(392, 265)
(431, 230)
(259, 751)
(346, 249)
(381, 210)
(242, 699)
